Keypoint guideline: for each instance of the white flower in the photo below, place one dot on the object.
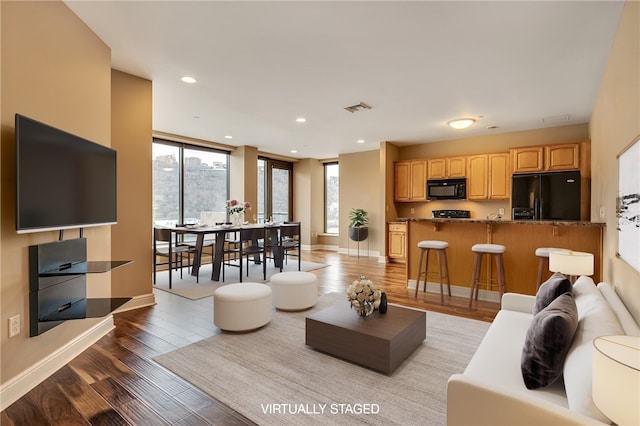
(363, 291)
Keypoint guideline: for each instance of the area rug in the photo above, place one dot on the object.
(271, 376)
(188, 288)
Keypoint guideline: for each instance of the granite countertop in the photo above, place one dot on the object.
(501, 221)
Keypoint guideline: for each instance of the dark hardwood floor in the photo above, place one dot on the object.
(116, 381)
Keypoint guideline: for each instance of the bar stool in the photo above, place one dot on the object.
(440, 247)
(496, 251)
(543, 258)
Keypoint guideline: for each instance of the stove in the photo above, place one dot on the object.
(458, 214)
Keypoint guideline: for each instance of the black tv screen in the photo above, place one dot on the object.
(62, 180)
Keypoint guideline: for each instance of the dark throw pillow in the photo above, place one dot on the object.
(548, 341)
(555, 286)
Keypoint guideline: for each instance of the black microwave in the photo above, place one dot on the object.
(447, 189)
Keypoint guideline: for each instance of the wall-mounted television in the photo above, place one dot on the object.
(62, 181)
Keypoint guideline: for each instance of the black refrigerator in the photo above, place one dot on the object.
(546, 196)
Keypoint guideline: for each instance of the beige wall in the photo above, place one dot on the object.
(243, 177)
(360, 187)
(615, 123)
(308, 199)
(131, 137)
(55, 70)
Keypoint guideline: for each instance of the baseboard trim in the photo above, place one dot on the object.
(136, 302)
(18, 386)
(458, 291)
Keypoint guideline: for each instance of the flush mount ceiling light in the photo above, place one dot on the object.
(228, 137)
(360, 141)
(301, 119)
(187, 79)
(461, 123)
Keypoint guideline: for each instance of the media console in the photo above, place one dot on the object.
(58, 285)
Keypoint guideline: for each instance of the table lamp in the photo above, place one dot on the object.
(571, 263)
(616, 378)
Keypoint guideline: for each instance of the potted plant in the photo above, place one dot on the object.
(358, 229)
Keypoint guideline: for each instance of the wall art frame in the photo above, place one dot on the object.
(628, 204)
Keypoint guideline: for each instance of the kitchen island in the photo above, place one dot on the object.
(521, 239)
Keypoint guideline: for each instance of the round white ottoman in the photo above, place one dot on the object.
(242, 306)
(294, 290)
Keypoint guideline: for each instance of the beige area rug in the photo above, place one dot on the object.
(187, 286)
(273, 378)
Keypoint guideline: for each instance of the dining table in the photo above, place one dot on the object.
(200, 231)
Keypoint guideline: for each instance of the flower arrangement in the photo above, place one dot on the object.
(364, 296)
(236, 207)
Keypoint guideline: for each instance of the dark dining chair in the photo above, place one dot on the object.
(165, 245)
(289, 241)
(250, 242)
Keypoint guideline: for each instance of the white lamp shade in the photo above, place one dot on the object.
(571, 262)
(616, 378)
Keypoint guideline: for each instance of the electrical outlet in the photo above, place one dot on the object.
(413, 211)
(501, 212)
(14, 325)
(602, 212)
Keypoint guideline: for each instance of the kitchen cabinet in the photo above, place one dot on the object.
(499, 176)
(397, 239)
(448, 167)
(410, 180)
(562, 157)
(477, 172)
(547, 158)
(488, 177)
(528, 159)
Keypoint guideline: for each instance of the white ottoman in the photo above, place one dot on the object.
(242, 306)
(294, 290)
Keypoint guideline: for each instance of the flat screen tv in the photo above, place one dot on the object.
(62, 180)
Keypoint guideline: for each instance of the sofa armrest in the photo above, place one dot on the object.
(473, 402)
(518, 302)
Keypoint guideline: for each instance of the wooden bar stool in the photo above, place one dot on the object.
(543, 259)
(440, 247)
(496, 251)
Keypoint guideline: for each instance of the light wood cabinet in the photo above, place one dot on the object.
(488, 177)
(410, 180)
(397, 239)
(437, 168)
(562, 157)
(528, 159)
(477, 172)
(499, 176)
(448, 167)
(558, 157)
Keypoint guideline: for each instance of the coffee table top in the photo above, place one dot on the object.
(384, 326)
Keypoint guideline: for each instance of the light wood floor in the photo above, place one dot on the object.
(116, 381)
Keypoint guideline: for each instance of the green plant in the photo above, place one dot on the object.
(358, 218)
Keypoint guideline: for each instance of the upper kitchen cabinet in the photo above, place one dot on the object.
(562, 157)
(488, 177)
(410, 180)
(527, 159)
(444, 168)
(546, 158)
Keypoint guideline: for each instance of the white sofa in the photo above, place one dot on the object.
(491, 391)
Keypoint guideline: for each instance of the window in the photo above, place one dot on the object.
(190, 184)
(275, 189)
(331, 198)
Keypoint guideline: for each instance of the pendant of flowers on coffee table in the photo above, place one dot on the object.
(364, 296)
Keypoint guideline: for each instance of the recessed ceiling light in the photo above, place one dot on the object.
(461, 123)
(293, 151)
(301, 119)
(360, 140)
(228, 137)
(187, 79)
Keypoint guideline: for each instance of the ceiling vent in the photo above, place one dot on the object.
(557, 119)
(354, 108)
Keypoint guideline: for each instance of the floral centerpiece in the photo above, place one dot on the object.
(236, 210)
(364, 296)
